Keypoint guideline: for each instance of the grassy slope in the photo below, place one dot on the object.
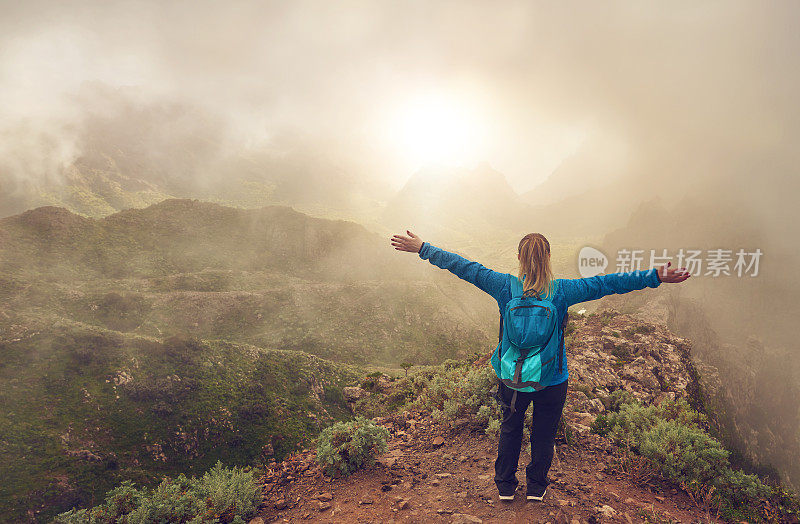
(86, 408)
(271, 277)
(86, 303)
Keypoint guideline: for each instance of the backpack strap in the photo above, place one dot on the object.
(516, 291)
(561, 345)
(516, 286)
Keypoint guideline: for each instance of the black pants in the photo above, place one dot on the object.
(547, 406)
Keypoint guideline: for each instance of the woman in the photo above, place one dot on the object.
(536, 276)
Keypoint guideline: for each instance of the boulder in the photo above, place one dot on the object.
(353, 393)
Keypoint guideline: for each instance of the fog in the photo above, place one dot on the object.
(587, 110)
(690, 85)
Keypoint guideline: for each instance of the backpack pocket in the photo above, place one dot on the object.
(530, 326)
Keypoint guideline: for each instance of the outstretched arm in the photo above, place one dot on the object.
(491, 282)
(584, 289)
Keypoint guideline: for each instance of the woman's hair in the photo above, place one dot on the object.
(534, 264)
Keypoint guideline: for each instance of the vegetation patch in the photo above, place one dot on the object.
(345, 447)
(674, 441)
(222, 495)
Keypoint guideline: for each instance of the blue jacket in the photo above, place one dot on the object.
(564, 292)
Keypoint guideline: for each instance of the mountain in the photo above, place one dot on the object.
(155, 341)
(739, 323)
(272, 277)
(120, 151)
(439, 465)
(593, 166)
(463, 206)
(85, 408)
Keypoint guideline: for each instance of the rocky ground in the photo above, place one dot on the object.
(443, 472)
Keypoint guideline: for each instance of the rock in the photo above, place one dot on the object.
(351, 394)
(403, 504)
(256, 520)
(596, 406)
(629, 501)
(365, 500)
(325, 497)
(659, 498)
(561, 518)
(438, 441)
(606, 511)
(587, 419)
(444, 475)
(85, 454)
(562, 502)
(281, 504)
(324, 505)
(463, 518)
(387, 462)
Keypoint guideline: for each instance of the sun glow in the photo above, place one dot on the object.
(436, 129)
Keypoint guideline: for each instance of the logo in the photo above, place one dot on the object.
(591, 262)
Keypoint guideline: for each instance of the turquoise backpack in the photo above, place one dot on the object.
(531, 340)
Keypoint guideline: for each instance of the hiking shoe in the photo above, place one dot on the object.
(536, 493)
(505, 493)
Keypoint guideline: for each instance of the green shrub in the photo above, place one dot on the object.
(462, 391)
(621, 352)
(347, 446)
(617, 398)
(672, 437)
(222, 495)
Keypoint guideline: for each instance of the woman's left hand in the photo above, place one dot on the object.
(411, 243)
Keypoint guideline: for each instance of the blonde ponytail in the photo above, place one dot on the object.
(534, 264)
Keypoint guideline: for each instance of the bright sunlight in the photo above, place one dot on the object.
(438, 129)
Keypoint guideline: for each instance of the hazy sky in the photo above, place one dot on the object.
(523, 84)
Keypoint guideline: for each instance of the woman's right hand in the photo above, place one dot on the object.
(411, 243)
(671, 275)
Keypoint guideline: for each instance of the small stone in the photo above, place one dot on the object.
(386, 487)
(659, 498)
(281, 504)
(463, 518)
(256, 520)
(403, 504)
(435, 483)
(324, 505)
(606, 511)
(444, 475)
(438, 441)
(325, 497)
(443, 511)
(562, 502)
(365, 501)
(629, 501)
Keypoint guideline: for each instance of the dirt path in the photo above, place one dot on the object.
(445, 474)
